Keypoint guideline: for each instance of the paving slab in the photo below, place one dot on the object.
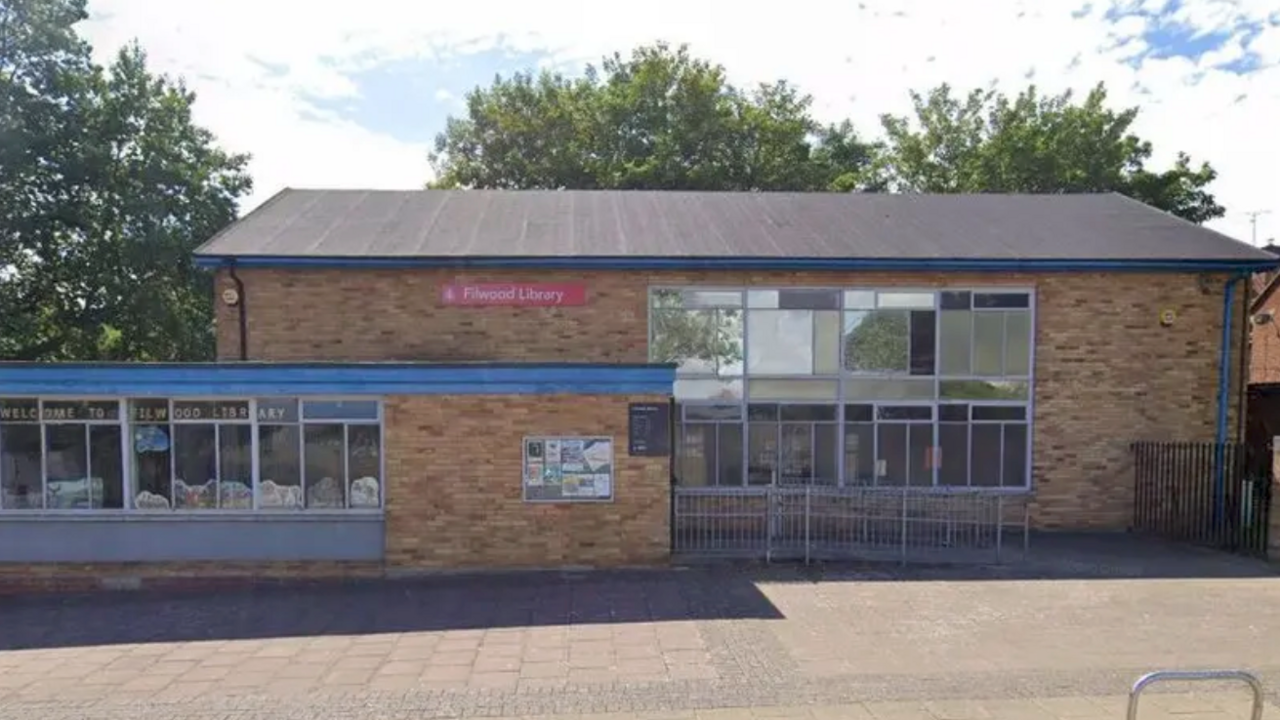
(939, 643)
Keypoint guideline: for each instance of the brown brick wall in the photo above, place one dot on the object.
(1107, 371)
(454, 494)
(1264, 345)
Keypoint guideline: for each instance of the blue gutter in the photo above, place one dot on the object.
(742, 263)
(251, 379)
(1224, 399)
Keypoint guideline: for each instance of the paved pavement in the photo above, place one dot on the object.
(698, 643)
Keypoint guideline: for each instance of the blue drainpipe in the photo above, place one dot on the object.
(1224, 399)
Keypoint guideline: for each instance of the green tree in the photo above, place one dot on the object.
(712, 337)
(879, 342)
(659, 119)
(106, 186)
(988, 142)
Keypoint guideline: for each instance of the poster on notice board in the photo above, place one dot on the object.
(568, 469)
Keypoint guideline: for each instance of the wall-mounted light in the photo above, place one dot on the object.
(1167, 317)
(231, 297)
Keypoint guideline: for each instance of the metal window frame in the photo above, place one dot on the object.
(938, 377)
(126, 424)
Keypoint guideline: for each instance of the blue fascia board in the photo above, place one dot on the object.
(288, 379)
(746, 263)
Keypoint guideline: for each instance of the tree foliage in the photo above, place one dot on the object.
(658, 119)
(106, 187)
(663, 119)
(987, 142)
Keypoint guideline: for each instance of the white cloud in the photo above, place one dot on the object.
(858, 58)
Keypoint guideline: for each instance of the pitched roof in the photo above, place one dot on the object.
(471, 224)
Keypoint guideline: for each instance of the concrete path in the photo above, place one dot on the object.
(702, 643)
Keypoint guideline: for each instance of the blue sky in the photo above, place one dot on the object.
(354, 97)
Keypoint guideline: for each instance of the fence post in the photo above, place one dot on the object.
(903, 558)
(999, 528)
(808, 512)
(770, 517)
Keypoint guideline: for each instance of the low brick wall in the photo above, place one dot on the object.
(455, 495)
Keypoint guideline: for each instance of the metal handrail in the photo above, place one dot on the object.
(1249, 679)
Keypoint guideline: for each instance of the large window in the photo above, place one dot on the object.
(858, 386)
(187, 455)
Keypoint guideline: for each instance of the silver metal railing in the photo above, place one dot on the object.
(831, 523)
(1255, 686)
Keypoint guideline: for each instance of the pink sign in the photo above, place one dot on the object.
(515, 294)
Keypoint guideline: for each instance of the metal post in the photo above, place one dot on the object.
(903, 559)
(1255, 687)
(808, 509)
(999, 528)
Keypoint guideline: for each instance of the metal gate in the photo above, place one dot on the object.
(849, 523)
(1213, 494)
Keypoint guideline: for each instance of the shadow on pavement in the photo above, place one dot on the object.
(540, 599)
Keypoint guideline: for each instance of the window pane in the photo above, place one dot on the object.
(66, 467)
(953, 467)
(762, 411)
(888, 389)
(891, 456)
(825, 452)
(364, 463)
(793, 389)
(988, 344)
(711, 412)
(20, 474)
(809, 413)
(905, 300)
(106, 462)
(955, 342)
(152, 474)
(762, 452)
(235, 455)
(696, 455)
(859, 454)
(149, 410)
(859, 413)
(729, 454)
(876, 341)
(195, 447)
(1017, 351)
(809, 299)
(904, 412)
(780, 342)
(340, 410)
(711, 298)
(687, 389)
(280, 466)
(999, 412)
(920, 454)
(13, 410)
(1014, 472)
(953, 413)
(73, 410)
(665, 299)
(762, 299)
(277, 410)
(326, 471)
(860, 299)
(797, 454)
(982, 390)
(923, 342)
(698, 341)
(211, 410)
(826, 343)
(956, 300)
(1001, 300)
(986, 454)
